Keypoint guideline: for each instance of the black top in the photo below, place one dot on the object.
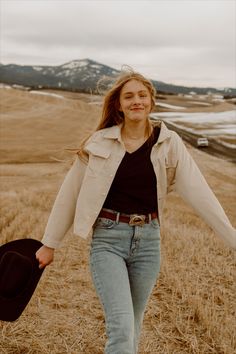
(133, 190)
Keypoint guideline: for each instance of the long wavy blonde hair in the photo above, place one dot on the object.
(111, 115)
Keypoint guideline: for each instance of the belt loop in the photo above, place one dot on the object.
(117, 217)
(150, 217)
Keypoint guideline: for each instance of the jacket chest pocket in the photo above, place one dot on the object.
(98, 158)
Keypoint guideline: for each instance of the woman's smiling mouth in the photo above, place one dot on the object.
(137, 109)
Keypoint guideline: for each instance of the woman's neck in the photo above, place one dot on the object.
(135, 131)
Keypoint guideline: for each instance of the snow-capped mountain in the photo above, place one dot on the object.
(82, 75)
(77, 69)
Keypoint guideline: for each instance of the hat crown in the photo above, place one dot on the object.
(19, 276)
(16, 272)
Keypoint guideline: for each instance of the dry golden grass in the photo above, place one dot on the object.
(192, 308)
(36, 128)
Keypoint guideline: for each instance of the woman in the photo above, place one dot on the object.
(117, 187)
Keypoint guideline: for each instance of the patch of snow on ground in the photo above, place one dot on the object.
(218, 131)
(218, 96)
(232, 146)
(203, 117)
(217, 124)
(218, 100)
(3, 86)
(200, 103)
(188, 96)
(166, 105)
(46, 94)
(20, 87)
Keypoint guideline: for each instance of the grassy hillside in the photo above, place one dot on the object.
(38, 128)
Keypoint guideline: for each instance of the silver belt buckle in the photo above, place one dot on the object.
(137, 220)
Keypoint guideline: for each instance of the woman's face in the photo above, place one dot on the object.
(135, 101)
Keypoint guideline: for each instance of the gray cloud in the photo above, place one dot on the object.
(165, 38)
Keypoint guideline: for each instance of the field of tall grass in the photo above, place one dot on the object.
(192, 309)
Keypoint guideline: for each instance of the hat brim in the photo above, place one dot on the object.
(12, 308)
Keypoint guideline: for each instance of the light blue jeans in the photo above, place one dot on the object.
(125, 263)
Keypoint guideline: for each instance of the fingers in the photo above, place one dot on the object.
(43, 260)
(41, 263)
(38, 259)
(44, 255)
(41, 266)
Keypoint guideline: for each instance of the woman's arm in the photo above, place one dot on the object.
(62, 215)
(193, 188)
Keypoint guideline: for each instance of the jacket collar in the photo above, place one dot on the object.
(114, 132)
(164, 131)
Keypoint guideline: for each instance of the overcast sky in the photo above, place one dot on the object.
(190, 42)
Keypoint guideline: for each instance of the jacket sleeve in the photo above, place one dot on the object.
(62, 215)
(193, 188)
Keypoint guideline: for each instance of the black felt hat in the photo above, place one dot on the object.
(19, 276)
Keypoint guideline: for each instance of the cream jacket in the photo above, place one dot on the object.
(86, 185)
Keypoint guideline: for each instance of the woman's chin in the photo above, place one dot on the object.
(138, 118)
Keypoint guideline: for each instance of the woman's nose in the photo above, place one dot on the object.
(136, 99)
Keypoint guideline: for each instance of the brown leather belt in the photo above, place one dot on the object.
(133, 219)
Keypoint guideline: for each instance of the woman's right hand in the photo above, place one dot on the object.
(45, 256)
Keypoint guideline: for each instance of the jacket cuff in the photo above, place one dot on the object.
(47, 241)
